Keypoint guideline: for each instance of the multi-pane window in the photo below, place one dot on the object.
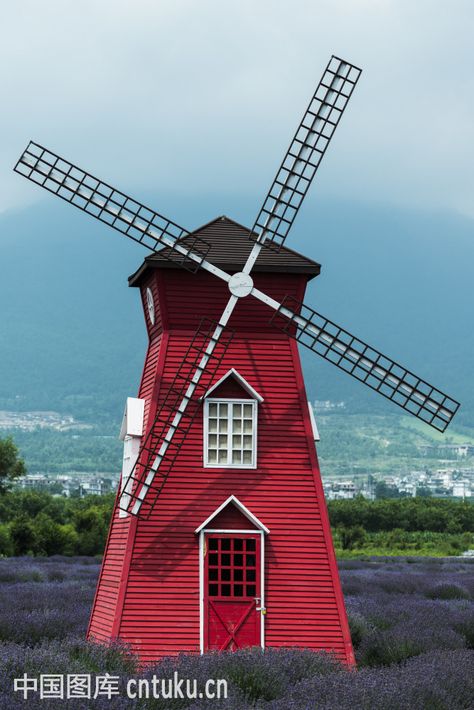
(230, 428)
(232, 567)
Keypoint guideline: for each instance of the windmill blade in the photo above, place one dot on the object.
(305, 153)
(114, 208)
(175, 416)
(363, 362)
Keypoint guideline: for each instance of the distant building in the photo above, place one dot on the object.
(68, 484)
(457, 450)
(407, 488)
(95, 487)
(462, 489)
(30, 421)
(451, 481)
(327, 406)
(340, 490)
(33, 480)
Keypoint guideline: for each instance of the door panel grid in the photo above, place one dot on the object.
(232, 564)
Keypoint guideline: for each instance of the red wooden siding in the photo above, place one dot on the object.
(160, 613)
(230, 389)
(231, 519)
(104, 622)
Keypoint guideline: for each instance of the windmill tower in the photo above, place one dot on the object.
(220, 537)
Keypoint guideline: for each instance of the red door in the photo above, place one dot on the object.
(232, 592)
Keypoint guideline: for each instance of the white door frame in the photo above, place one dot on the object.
(202, 534)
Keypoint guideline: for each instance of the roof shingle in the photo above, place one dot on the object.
(230, 247)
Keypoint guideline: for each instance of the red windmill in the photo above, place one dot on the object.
(220, 537)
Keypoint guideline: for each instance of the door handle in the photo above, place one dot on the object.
(262, 609)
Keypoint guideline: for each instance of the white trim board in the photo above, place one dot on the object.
(314, 426)
(132, 421)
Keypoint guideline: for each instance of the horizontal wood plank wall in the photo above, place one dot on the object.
(107, 603)
(230, 389)
(231, 519)
(161, 606)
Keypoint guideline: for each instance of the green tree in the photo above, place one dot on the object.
(69, 539)
(352, 537)
(6, 545)
(11, 466)
(55, 488)
(383, 490)
(91, 525)
(22, 536)
(51, 538)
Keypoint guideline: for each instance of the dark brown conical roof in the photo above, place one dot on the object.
(230, 247)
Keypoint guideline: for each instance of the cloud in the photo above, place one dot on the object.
(205, 97)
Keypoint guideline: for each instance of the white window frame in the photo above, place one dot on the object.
(230, 401)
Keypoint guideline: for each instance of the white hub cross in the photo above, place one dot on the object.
(240, 284)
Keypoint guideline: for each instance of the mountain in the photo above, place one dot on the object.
(72, 336)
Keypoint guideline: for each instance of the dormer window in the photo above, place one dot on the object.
(230, 423)
(231, 432)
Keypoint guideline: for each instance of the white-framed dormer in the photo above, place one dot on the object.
(214, 525)
(231, 424)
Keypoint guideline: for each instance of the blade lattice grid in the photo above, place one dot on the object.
(366, 364)
(165, 435)
(111, 206)
(305, 153)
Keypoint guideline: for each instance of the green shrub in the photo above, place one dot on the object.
(358, 627)
(6, 544)
(466, 628)
(448, 590)
(384, 648)
(352, 537)
(22, 536)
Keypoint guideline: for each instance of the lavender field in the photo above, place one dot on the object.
(412, 623)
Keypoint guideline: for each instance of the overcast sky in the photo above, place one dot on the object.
(205, 95)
